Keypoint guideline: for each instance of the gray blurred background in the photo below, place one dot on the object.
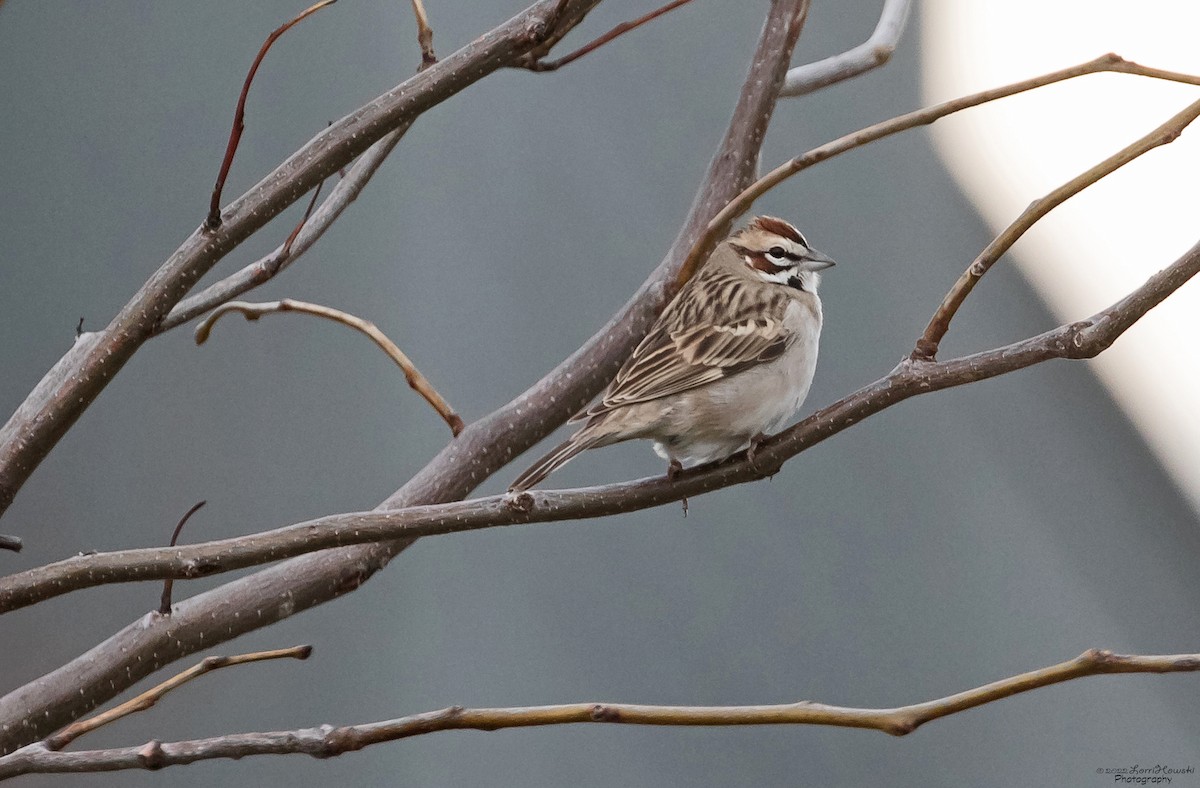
(949, 541)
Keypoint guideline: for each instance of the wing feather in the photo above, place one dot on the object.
(699, 340)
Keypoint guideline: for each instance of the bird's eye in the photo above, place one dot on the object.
(777, 252)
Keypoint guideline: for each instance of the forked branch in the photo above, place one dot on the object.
(887, 128)
(155, 694)
(927, 346)
(327, 741)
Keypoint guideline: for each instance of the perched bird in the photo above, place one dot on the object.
(729, 361)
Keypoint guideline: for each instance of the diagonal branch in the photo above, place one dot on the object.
(418, 382)
(327, 741)
(927, 346)
(486, 445)
(867, 56)
(1083, 339)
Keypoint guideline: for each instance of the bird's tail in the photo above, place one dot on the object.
(560, 456)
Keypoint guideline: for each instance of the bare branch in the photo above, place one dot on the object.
(308, 233)
(867, 56)
(927, 346)
(12, 543)
(484, 446)
(154, 694)
(239, 116)
(328, 741)
(424, 35)
(616, 32)
(418, 382)
(1082, 339)
(920, 117)
(96, 358)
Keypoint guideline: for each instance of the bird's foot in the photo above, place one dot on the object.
(673, 469)
(751, 455)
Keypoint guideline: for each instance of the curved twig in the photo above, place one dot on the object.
(871, 54)
(1082, 339)
(164, 605)
(418, 382)
(239, 116)
(327, 741)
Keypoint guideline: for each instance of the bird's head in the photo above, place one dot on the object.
(776, 251)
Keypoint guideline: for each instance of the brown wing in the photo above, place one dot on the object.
(714, 328)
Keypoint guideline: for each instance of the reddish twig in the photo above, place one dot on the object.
(286, 249)
(619, 30)
(239, 116)
(164, 606)
(416, 380)
(154, 694)
(327, 741)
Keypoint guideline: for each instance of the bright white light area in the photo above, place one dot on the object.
(1101, 244)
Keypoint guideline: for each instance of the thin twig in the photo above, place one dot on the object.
(927, 346)
(164, 605)
(13, 543)
(869, 55)
(239, 116)
(921, 117)
(285, 250)
(1082, 339)
(616, 32)
(424, 35)
(416, 380)
(154, 694)
(327, 741)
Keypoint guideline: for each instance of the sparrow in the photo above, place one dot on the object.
(729, 360)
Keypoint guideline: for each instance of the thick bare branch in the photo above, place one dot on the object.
(327, 741)
(867, 56)
(79, 377)
(155, 694)
(1083, 339)
(484, 446)
(418, 382)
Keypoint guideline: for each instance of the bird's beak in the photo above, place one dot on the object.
(815, 261)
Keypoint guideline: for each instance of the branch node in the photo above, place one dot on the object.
(151, 755)
(601, 712)
(519, 502)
